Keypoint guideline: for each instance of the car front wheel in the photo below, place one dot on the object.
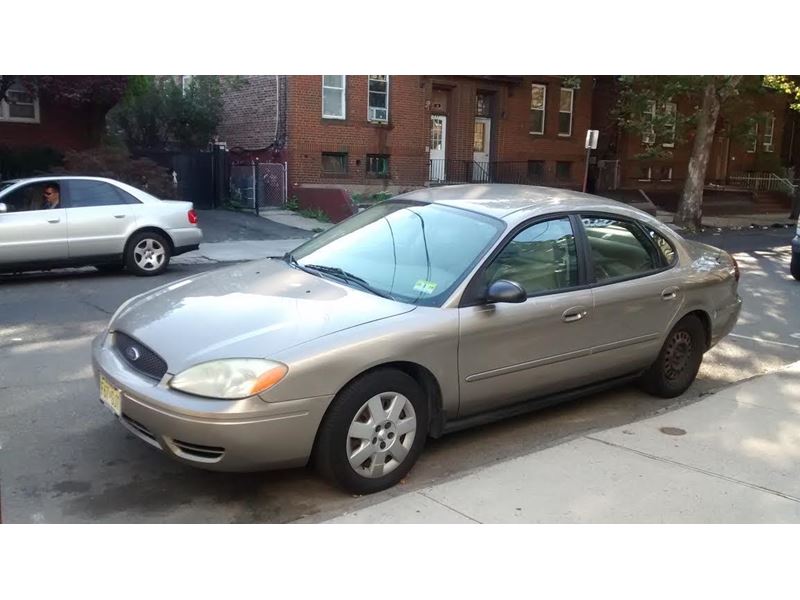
(373, 433)
(679, 360)
(147, 253)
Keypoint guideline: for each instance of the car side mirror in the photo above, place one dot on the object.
(3, 207)
(505, 291)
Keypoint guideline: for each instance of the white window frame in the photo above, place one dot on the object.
(343, 91)
(770, 127)
(649, 175)
(544, 106)
(668, 177)
(5, 108)
(752, 148)
(649, 137)
(370, 118)
(674, 108)
(571, 110)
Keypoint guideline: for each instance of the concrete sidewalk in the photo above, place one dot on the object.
(237, 251)
(733, 457)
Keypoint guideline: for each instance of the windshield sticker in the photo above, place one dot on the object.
(425, 287)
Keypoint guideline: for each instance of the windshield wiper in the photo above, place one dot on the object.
(346, 276)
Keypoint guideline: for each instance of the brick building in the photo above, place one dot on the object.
(619, 151)
(381, 132)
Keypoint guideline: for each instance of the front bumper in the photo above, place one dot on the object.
(221, 435)
(796, 245)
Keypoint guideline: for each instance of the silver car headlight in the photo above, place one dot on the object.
(230, 379)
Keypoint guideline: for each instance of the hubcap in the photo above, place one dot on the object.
(381, 434)
(149, 254)
(678, 354)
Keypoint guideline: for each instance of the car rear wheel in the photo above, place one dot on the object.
(373, 433)
(795, 266)
(679, 360)
(147, 253)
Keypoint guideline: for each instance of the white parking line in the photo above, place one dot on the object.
(755, 339)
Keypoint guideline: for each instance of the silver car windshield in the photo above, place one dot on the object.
(411, 252)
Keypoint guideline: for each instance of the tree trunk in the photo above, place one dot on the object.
(690, 209)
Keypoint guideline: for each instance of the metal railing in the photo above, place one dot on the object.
(444, 171)
(763, 182)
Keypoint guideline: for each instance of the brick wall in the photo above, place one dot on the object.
(61, 128)
(403, 138)
(251, 117)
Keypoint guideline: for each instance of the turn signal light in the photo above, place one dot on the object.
(192, 217)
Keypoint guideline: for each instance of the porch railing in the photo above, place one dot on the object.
(763, 182)
(444, 171)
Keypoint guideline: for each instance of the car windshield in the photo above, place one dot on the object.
(411, 252)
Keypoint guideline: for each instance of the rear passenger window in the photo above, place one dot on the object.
(619, 249)
(664, 247)
(540, 258)
(83, 193)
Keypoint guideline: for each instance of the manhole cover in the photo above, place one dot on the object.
(673, 431)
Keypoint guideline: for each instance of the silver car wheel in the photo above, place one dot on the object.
(149, 254)
(381, 434)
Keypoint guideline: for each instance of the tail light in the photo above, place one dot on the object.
(735, 268)
(192, 216)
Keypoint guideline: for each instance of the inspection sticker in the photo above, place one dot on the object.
(425, 287)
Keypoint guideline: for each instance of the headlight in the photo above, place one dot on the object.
(230, 378)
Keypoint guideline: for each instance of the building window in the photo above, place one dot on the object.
(563, 170)
(665, 173)
(649, 115)
(538, 103)
(769, 130)
(645, 173)
(333, 97)
(378, 96)
(753, 138)
(565, 112)
(186, 83)
(378, 165)
(20, 106)
(483, 105)
(334, 163)
(536, 170)
(670, 124)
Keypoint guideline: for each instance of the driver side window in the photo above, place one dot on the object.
(33, 196)
(540, 258)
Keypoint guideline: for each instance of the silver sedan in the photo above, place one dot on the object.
(50, 222)
(430, 312)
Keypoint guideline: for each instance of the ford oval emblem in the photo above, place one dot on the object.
(132, 353)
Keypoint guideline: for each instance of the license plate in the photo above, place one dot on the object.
(111, 396)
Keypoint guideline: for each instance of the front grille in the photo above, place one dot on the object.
(139, 356)
(198, 451)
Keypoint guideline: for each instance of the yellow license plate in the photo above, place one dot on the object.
(111, 396)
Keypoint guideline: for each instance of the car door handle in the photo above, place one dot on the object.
(56, 220)
(119, 216)
(670, 293)
(576, 313)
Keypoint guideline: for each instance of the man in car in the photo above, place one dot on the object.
(51, 197)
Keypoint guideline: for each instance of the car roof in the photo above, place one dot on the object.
(514, 203)
(61, 177)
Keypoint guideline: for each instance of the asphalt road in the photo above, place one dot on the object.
(64, 458)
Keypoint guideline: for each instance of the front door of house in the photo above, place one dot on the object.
(437, 151)
(480, 149)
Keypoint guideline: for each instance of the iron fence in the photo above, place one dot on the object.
(446, 171)
(258, 185)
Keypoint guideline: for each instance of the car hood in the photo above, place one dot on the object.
(252, 310)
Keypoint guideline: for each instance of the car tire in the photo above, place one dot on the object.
(679, 360)
(147, 253)
(376, 419)
(794, 267)
(110, 268)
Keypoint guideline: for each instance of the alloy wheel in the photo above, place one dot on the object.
(149, 254)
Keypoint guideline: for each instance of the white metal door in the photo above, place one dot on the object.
(437, 149)
(480, 149)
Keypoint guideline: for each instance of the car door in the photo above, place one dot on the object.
(30, 233)
(513, 352)
(635, 292)
(100, 217)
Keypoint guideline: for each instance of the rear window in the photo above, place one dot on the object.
(665, 249)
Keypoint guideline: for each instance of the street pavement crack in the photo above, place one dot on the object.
(93, 305)
(696, 469)
(450, 508)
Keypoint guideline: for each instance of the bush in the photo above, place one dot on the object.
(116, 163)
(28, 162)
